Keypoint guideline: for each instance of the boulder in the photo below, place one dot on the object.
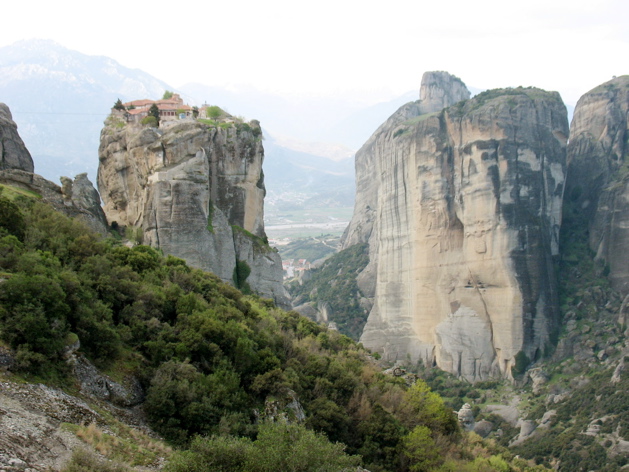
(466, 417)
(483, 428)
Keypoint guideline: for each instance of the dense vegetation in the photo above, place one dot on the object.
(591, 414)
(335, 285)
(590, 306)
(226, 375)
(598, 402)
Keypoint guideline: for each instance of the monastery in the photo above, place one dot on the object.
(172, 108)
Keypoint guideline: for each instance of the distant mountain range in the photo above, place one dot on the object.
(59, 99)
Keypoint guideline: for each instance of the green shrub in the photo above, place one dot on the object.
(241, 272)
(207, 355)
(522, 361)
(279, 447)
(85, 461)
(336, 285)
(11, 218)
(150, 121)
(214, 112)
(118, 105)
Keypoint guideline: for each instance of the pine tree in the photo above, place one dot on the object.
(154, 111)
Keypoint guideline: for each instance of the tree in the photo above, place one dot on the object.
(119, 106)
(421, 450)
(279, 446)
(427, 408)
(11, 218)
(167, 94)
(154, 112)
(214, 112)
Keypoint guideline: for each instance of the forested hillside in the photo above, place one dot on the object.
(231, 381)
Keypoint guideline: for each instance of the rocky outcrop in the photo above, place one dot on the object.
(461, 209)
(440, 90)
(597, 185)
(13, 152)
(466, 417)
(78, 199)
(197, 192)
(94, 383)
(31, 421)
(40, 427)
(85, 207)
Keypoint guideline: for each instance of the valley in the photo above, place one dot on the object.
(443, 289)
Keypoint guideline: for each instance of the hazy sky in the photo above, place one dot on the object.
(367, 49)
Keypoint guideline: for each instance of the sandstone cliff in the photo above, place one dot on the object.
(197, 191)
(461, 209)
(597, 185)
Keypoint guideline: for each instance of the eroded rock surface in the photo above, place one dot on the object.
(461, 209)
(13, 152)
(85, 207)
(31, 421)
(197, 191)
(598, 174)
(76, 198)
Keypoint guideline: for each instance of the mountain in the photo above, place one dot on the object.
(318, 181)
(59, 99)
(461, 209)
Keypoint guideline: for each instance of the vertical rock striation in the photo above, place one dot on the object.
(597, 185)
(461, 208)
(197, 191)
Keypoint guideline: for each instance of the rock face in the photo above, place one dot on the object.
(78, 199)
(85, 206)
(440, 90)
(13, 152)
(597, 184)
(197, 192)
(461, 209)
